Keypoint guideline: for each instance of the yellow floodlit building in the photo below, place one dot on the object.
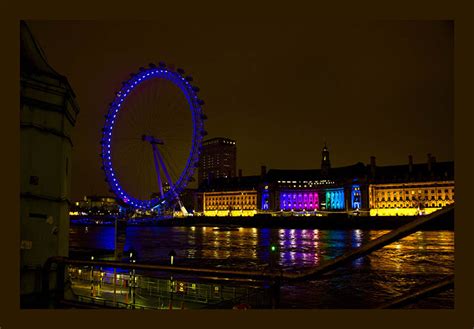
(230, 203)
(412, 189)
(410, 199)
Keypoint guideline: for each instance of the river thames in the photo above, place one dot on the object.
(423, 257)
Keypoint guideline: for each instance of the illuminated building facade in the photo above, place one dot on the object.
(218, 159)
(325, 189)
(231, 196)
(356, 197)
(265, 202)
(96, 201)
(412, 189)
(335, 199)
(233, 203)
(410, 199)
(299, 200)
(95, 205)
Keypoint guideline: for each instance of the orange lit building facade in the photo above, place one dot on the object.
(394, 190)
(410, 199)
(410, 190)
(231, 203)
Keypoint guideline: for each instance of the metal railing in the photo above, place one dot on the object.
(154, 290)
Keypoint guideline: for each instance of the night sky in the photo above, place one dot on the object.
(382, 88)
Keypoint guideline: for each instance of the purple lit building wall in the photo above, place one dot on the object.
(299, 200)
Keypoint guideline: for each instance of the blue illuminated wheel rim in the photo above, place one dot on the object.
(190, 92)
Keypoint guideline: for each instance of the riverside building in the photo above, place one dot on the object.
(218, 159)
(411, 189)
(231, 196)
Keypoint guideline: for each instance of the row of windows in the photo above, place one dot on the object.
(229, 203)
(235, 198)
(411, 205)
(219, 141)
(230, 197)
(304, 185)
(300, 196)
(215, 162)
(379, 192)
(231, 208)
(307, 182)
(408, 198)
(289, 204)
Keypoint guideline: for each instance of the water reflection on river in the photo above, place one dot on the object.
(366, 282)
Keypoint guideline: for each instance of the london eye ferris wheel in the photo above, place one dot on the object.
(152, 138)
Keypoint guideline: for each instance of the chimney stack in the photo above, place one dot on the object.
(372, 166)
(263, 171)
(430, 159)
(410, 164)
(240, 173)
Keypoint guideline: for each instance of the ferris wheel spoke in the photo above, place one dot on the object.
(172, 164)
(142, 173)
(145, 105)
(156, 178)
(136, 172)
(155, 98)
(140, 107)
(128, 139)
(123, 151)
(122, 145)
(153, 114)
(150, 175)
(173, 107)
(158, 174)
(132, 124)
(137, 117)
(170, 168)
(129, 115)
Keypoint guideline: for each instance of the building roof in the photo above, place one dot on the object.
(217, 139)
(383, 174)
(352, 171)
(33, 60)
(420, 172)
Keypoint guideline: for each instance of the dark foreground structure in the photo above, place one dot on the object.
(48, 113)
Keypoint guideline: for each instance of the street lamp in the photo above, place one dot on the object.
(172, 255)
(133, 259)
(92, 277)
(101, 277)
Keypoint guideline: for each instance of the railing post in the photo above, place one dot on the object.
(45, 282)
(60, 277)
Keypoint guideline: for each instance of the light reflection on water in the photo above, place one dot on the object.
(367, 281)
(296, 247)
